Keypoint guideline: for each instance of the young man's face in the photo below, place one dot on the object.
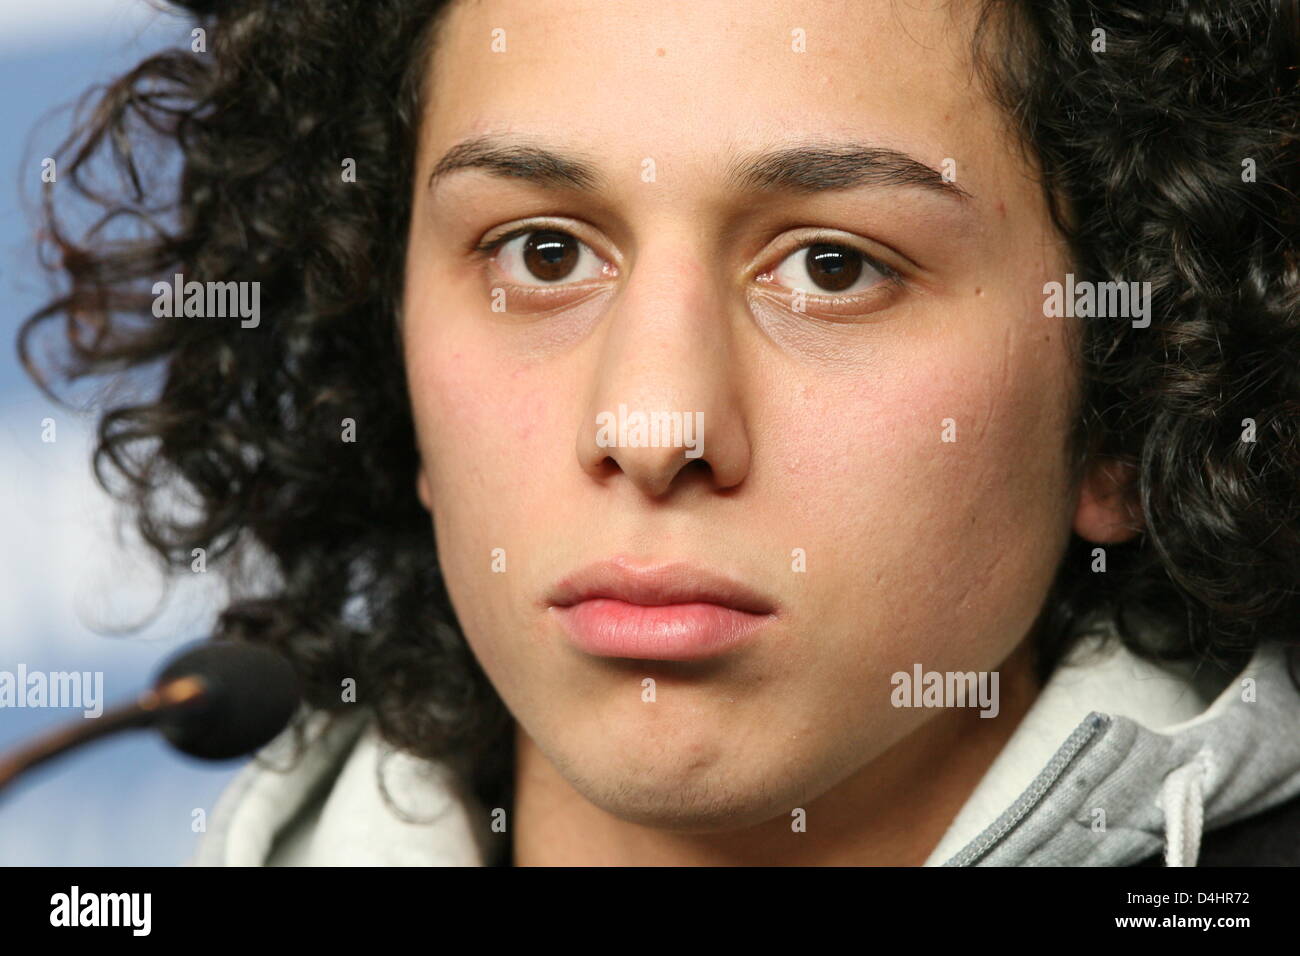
(884, 464)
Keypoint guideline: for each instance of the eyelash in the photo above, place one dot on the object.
(890, 275)
(489, 246)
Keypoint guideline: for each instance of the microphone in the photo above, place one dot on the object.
(215, 701)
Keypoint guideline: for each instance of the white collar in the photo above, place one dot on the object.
(287, 817)
(1110, 680)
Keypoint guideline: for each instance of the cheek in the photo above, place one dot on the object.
(917, 530)
(955, 421)
(478, 414)
(481, 420)
(482, 426)
(479, 429)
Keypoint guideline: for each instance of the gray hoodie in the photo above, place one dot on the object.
(1116, 760)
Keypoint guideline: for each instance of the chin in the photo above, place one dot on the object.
(701, 806)
(697, 788)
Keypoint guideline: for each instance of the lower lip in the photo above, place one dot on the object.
(605, 627)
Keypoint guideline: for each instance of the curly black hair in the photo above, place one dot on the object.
(1166, 134)
(1142, 148)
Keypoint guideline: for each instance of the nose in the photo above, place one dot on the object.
(665, 408)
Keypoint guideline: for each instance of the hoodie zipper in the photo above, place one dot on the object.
(1083, 735)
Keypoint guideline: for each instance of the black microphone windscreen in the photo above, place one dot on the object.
(252, 695)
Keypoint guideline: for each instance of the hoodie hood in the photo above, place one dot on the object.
(350, 800)
(1117, 760)
(1167, 760)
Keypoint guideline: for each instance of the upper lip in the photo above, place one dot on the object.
(654, 585)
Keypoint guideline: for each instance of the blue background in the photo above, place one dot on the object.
(72, 576)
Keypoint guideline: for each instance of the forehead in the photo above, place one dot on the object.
(693, 84)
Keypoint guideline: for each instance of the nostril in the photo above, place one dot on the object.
(699, 464)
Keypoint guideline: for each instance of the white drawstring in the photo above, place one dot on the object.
(1182, 798)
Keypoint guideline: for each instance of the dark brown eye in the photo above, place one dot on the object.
(833, 268)
(550, 256)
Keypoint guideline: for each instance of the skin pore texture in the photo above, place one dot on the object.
(823, 426)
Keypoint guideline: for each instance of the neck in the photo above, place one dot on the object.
(890, 812)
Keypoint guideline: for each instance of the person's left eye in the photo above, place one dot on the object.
(828, 269)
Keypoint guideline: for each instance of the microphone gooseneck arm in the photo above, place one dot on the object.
(153, 705)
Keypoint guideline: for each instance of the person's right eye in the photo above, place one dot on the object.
(546, 257)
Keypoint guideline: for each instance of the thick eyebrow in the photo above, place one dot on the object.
(820, 167)
(813, 167)
(537, 164)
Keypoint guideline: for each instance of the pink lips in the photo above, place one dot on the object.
(669, 612)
